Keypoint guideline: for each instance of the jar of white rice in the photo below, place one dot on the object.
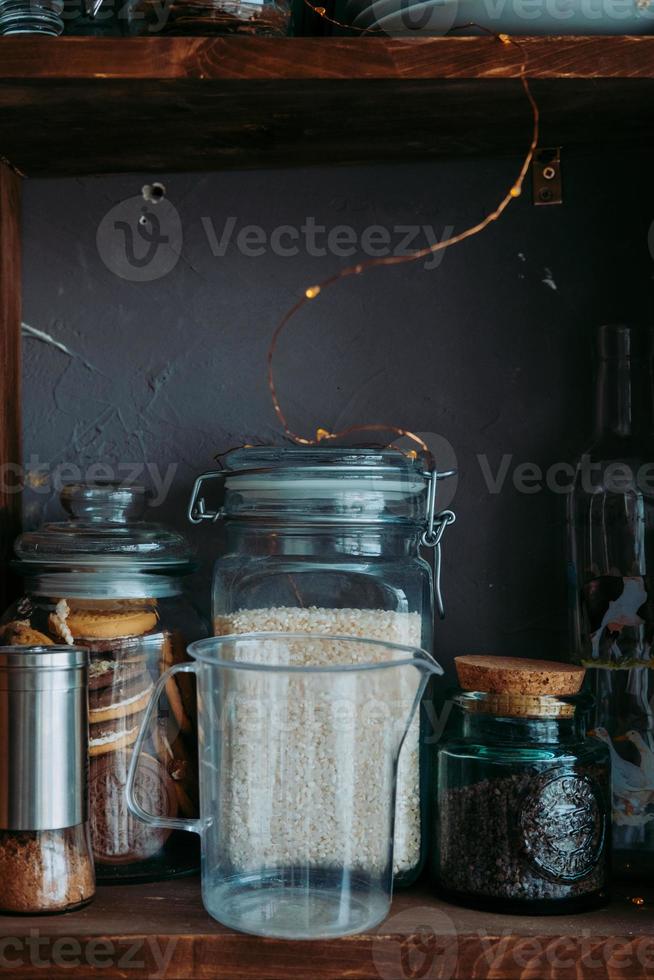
(328, 541)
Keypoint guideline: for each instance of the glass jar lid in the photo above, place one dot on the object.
(323, 486)
(104, 533)
(325, 483)
(326, 462)
(518, 687)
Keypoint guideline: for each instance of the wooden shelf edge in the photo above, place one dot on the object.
(82, 106)
(237, 59)
(160, 930)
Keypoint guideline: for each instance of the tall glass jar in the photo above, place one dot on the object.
(110, 582)
(328, 541)
(611, 583)
(523, 805)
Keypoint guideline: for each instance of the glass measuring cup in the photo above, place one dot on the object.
(299, 738)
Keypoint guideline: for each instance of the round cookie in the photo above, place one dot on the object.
(21, 634)
(106, 738)
(109, 673)
(118, 837)
(133, 650)
(122, 691)
(129, 701)
(95, 624)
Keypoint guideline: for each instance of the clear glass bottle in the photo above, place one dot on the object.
(31, 17)
(112, 583)
(328, 541)
(611, 583)
(523, 806)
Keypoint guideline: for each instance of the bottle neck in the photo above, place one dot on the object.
(624, 399)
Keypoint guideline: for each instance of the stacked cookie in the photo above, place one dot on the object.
(126, 646)
(119, 681)
(119, 690)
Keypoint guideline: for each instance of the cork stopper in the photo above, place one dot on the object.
(520, 687)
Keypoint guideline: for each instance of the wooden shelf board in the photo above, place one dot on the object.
(72, 106)
(225, 59)
(129, 931)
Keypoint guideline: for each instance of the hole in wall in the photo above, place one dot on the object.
(153, 193)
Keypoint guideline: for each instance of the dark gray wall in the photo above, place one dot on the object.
(489, 350)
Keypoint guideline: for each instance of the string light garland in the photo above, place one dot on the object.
(312, 292)
(321, 12)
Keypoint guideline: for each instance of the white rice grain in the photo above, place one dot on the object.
(312, 776)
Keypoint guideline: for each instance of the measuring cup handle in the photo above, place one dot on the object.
(172, 823)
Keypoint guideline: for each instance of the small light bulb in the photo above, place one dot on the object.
(312, 292)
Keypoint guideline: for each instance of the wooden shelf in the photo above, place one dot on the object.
(129, 930)
(95, 105)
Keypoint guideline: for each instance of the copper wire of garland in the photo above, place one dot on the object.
(311, 292)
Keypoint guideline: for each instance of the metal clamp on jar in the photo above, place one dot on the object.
(328, 541)
(45, 848)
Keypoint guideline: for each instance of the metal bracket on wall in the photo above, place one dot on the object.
(546, 176)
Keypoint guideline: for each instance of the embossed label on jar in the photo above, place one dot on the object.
(562, 824)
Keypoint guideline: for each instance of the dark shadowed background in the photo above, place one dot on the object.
(490, 350)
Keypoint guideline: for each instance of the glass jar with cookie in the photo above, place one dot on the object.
(107, 580)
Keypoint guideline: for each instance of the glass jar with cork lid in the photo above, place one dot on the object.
(523, 792)
(108, 581)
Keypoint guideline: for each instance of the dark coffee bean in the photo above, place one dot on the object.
(529, 836)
